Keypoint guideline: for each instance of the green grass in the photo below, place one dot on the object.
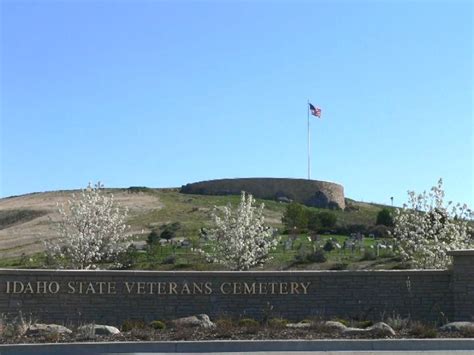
(193, 211)
(24, 262)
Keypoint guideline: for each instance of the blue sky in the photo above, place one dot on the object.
(163, 93)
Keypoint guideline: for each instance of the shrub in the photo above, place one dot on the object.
(397, 322)
(328, 246)
(328, 219)
(158, 325)
(170, 230)
(224, 327)
(91, 230)
(295, 216)
(127, 258)
(427, 229)
(240, 237)
(130, 324)
(153, 238)
(314, 222)
(421, 330)
(317, 257)
(248, 322)
(277, 323)
(467, 332)
(384, 217)
(170, 259)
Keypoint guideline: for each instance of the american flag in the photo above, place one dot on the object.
(315, 111)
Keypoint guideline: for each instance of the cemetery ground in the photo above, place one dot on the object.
(26, 221)
(178, 221)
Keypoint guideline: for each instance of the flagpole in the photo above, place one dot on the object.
(309, 145)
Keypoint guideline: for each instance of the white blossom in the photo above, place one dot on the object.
(91, 230)
(240, 237)
(426, 229)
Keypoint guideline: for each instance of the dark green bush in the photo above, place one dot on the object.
(384, 217)
(130, 324)
(167, 234)
(328, 246)
(328, 219)
(317, 257)
(158, 325)
(295, 216)
(170, 259)
(169, 231)
(248, 322)
(277, 323)
(153, 237)
(314, 222)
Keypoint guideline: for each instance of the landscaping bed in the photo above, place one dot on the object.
(227, 329)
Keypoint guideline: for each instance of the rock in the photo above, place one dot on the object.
(382, 329)
(40, 329)
(378, 329)
(456, 326)
(300, 325)
(97, 329)
(200, 320)
(335, 325)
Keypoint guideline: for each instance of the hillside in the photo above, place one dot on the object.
(27, 220)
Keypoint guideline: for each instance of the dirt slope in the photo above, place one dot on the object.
(28, 237)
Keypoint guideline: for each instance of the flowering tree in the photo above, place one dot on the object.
(427, 228)
(241, 239)
(91, 230)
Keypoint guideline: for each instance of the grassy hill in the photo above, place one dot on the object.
(26, 221)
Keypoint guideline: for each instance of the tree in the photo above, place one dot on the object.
(314, 222)
(91, 230)
(240, 238)
(295, 216)
(328, 219)
(384, 217)
(427, 228)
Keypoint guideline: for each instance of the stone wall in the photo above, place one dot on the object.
(115, 296)
(463, 284)
(309, 192)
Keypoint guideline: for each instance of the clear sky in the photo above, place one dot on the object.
(163, 93)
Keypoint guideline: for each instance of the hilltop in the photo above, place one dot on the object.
(27, 220)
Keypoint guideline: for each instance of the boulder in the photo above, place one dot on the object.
(97, 329)
(382, 329)
(40, 329)
(335, 325)
(200, 320)
(378, 329)
(456, 326)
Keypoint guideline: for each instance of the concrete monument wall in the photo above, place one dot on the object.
(116, 296)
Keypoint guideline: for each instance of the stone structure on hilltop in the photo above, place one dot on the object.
(308, 192)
